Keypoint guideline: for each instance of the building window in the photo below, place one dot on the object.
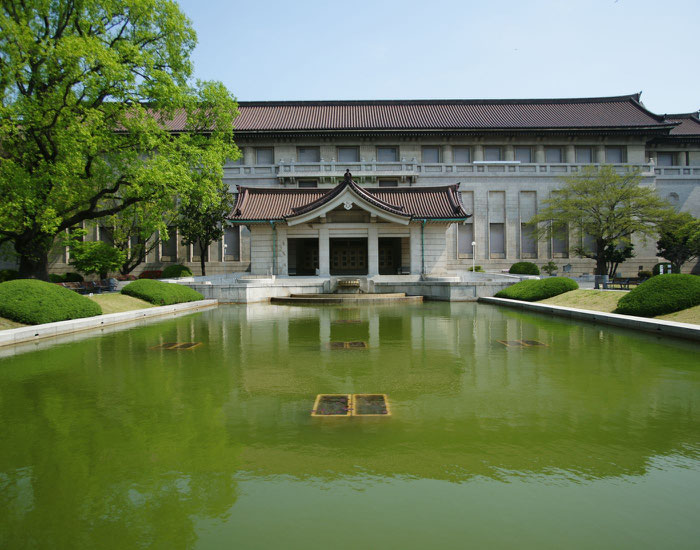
(388, 183)
(665, 159)
(492, 154)
(348, 154)
(523, 154)
(552, 155)
(584, 155)
(462, 154)
(465, 238)
(614, 155)
(528, 242)
(105, 235)
(387, 154)
(197, 253)
(168, 249)
(560, 242)
(307, 184)
(264, 155)
(497, 240)
(431, 154)
(308, 154)
(232, 244)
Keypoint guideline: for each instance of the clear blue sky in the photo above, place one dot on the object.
(276, 50)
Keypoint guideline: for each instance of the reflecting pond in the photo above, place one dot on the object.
(586, 437)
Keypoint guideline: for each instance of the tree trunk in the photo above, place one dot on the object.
(600, 263)
(202, 257)
(33, 250)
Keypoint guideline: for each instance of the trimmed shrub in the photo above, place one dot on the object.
(667, 268)
(176, 270)
(645, 275)
(151, 274)
(477, 269)
(538, 289)
(8, 275)
(660, 295)
(34, 302)
(73, 277)
(160, 293)
(524, 268)
(56, 278)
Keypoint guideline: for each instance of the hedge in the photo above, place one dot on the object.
(8, 275)
(176, 270)
(151, 274)
(34, 302)
(660, 295)
(656, 270)
(534, 290)
(160, 293)
(524, 268)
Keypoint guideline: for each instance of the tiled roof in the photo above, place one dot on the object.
(688, 124)
(264, 204)
(606, 112)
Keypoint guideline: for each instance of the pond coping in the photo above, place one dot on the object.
(664, 328)
(31, 333)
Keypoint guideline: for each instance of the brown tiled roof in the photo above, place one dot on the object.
(688, 124)
(582, 113)
(265, 204)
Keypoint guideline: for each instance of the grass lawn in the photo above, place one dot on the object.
(597, 300)
(115, 302)
(690, 315)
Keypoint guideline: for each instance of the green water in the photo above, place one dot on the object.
(592, 441)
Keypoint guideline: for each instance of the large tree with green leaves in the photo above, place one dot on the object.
(679, 239)
(602, 205)
(202, 221)
(87, 90)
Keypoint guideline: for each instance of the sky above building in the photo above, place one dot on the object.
(279, 50)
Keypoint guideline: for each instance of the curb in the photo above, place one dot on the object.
(48, 330)
(665, 328)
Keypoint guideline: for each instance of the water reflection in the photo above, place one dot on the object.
(109, 440)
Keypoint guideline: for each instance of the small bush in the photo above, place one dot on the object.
(56, 278)
(161, 294)
(8, 275)
(35, 302)
(176, 270)
(524, 268)
(152, 274)
(657, 268)
(73, 277)
(644, 275)
(660, 295)
(477, 269)
(538, 289)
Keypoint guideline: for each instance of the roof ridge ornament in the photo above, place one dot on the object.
(348, 176)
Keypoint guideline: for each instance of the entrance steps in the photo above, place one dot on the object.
(346, 298)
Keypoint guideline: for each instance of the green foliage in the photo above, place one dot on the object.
(176, 270)
(160, 293)
(534, 290)
(656, 270)
(56, 278)
(645, 274)
(34, 302)
(549, 268)
(605, 206)
(477, 269)
(660, 295)
(8, 275)
(91, 84)
(679, 239)
(95, 257)
(72, 277)
(524, 268)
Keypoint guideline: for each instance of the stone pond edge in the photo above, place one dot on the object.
(32, 333)
(656, 326)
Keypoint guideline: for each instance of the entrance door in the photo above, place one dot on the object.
(348, 256)
(389, 255)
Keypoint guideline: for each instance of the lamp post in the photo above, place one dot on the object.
(473, 255)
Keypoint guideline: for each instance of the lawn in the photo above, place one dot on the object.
(112, 302)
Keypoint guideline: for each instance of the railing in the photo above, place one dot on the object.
(412, 168)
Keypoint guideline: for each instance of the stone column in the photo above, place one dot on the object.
(372, 251)
(415, 248)
(282, 252)
(509, 153)
(478, 153)
(600, 154)
(447, 157)
(539, 154)
(324, 264)
(570, 154)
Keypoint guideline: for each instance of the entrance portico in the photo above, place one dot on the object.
(348, 230)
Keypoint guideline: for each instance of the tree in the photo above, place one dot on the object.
(203, 223)
(95, 257)
(679, 239)
(87, 90)
(602, 205)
